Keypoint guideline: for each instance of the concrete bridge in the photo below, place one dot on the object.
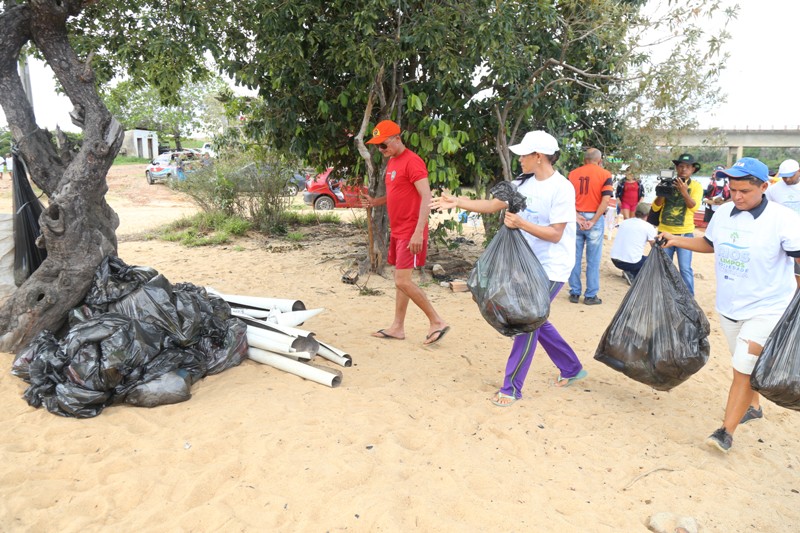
(735, 140)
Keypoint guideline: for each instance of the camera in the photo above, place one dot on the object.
(665, 187)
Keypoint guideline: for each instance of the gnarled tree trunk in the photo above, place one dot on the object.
(78, 226)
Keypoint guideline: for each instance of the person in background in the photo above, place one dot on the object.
(754, 242)
(8, 163)
(548, 224)
(787, 192)
(593, 190)
(408, 197)
(676, 212)
(629, 193)
(633, 234)
(716, 194)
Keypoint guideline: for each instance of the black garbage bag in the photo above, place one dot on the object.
(113, 280)
(508, 192)
(659, 335)
(510, 286)
(27, 209)
(108, 350)
(153, 302)
(776, 375)
(225, 349)
(172, 387)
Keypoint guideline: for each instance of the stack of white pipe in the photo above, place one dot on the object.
(273, 340)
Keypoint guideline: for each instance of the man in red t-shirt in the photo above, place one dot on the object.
(593, 190)
(408, 198)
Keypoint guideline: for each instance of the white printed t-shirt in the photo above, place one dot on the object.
(755, 276)
(551, 201)
(788, 195)
(632, 235)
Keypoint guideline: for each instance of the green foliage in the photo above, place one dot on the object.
(142, 107)
(130, 160)
(250, 184)
(204, 229)
(296, 236)
(5, 141)
(310, 219)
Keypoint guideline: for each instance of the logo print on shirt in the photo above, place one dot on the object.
(393, 175)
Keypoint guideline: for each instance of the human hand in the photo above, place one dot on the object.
(367, 201)
(513, 220)
(665, 239)
(445, 201)
(682, 186)
(415, 244)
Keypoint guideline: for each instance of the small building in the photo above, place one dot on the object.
(140, 143)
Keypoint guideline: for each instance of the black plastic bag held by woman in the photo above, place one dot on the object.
(777, 372)
(508, 283)
(510, 286)
(659, 335)
(27, 209)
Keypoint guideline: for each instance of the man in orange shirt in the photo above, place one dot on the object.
(593, 189)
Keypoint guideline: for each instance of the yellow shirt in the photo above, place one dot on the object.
(676, 217)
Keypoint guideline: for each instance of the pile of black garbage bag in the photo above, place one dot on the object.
(508, 282)
(136, 339)
(659, 335)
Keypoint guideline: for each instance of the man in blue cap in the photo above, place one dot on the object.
(754, 242)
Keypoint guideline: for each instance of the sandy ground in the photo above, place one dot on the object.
(409, 441)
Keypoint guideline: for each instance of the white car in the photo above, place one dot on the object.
(206, 149)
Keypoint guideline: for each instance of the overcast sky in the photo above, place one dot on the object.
(760, 78)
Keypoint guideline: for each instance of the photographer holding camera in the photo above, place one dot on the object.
(676, 201)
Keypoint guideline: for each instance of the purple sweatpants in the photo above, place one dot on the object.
(519, 360)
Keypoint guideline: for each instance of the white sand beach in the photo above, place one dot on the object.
(410, 440)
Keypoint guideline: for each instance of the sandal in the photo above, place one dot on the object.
(499, 396)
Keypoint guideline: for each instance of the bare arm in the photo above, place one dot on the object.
(695, 244)
(551, 233)
(447, 201)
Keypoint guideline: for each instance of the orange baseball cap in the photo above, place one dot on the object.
(384, 130)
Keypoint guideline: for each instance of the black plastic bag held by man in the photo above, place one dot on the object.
(777, 372)
(659, 335)
(508, 283)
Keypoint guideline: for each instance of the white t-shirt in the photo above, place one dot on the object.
(788, 195)
(551, 201)
(754, 274)
(9, 163)
(632, 235)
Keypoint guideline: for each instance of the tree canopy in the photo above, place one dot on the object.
(464, 78)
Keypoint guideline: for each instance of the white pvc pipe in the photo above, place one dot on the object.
(299, 344)
(294, 318)
(324, 376)
(334, 354)
(272, 345)
(281, 304)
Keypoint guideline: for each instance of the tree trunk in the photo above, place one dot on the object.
(78, 226)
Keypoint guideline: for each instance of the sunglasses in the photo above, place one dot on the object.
(382, 146)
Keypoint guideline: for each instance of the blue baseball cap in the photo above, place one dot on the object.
(746, 166)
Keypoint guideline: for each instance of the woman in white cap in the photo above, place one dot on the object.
(548, 224)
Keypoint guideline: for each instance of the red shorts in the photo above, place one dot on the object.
(625, 205)
(402, 258)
